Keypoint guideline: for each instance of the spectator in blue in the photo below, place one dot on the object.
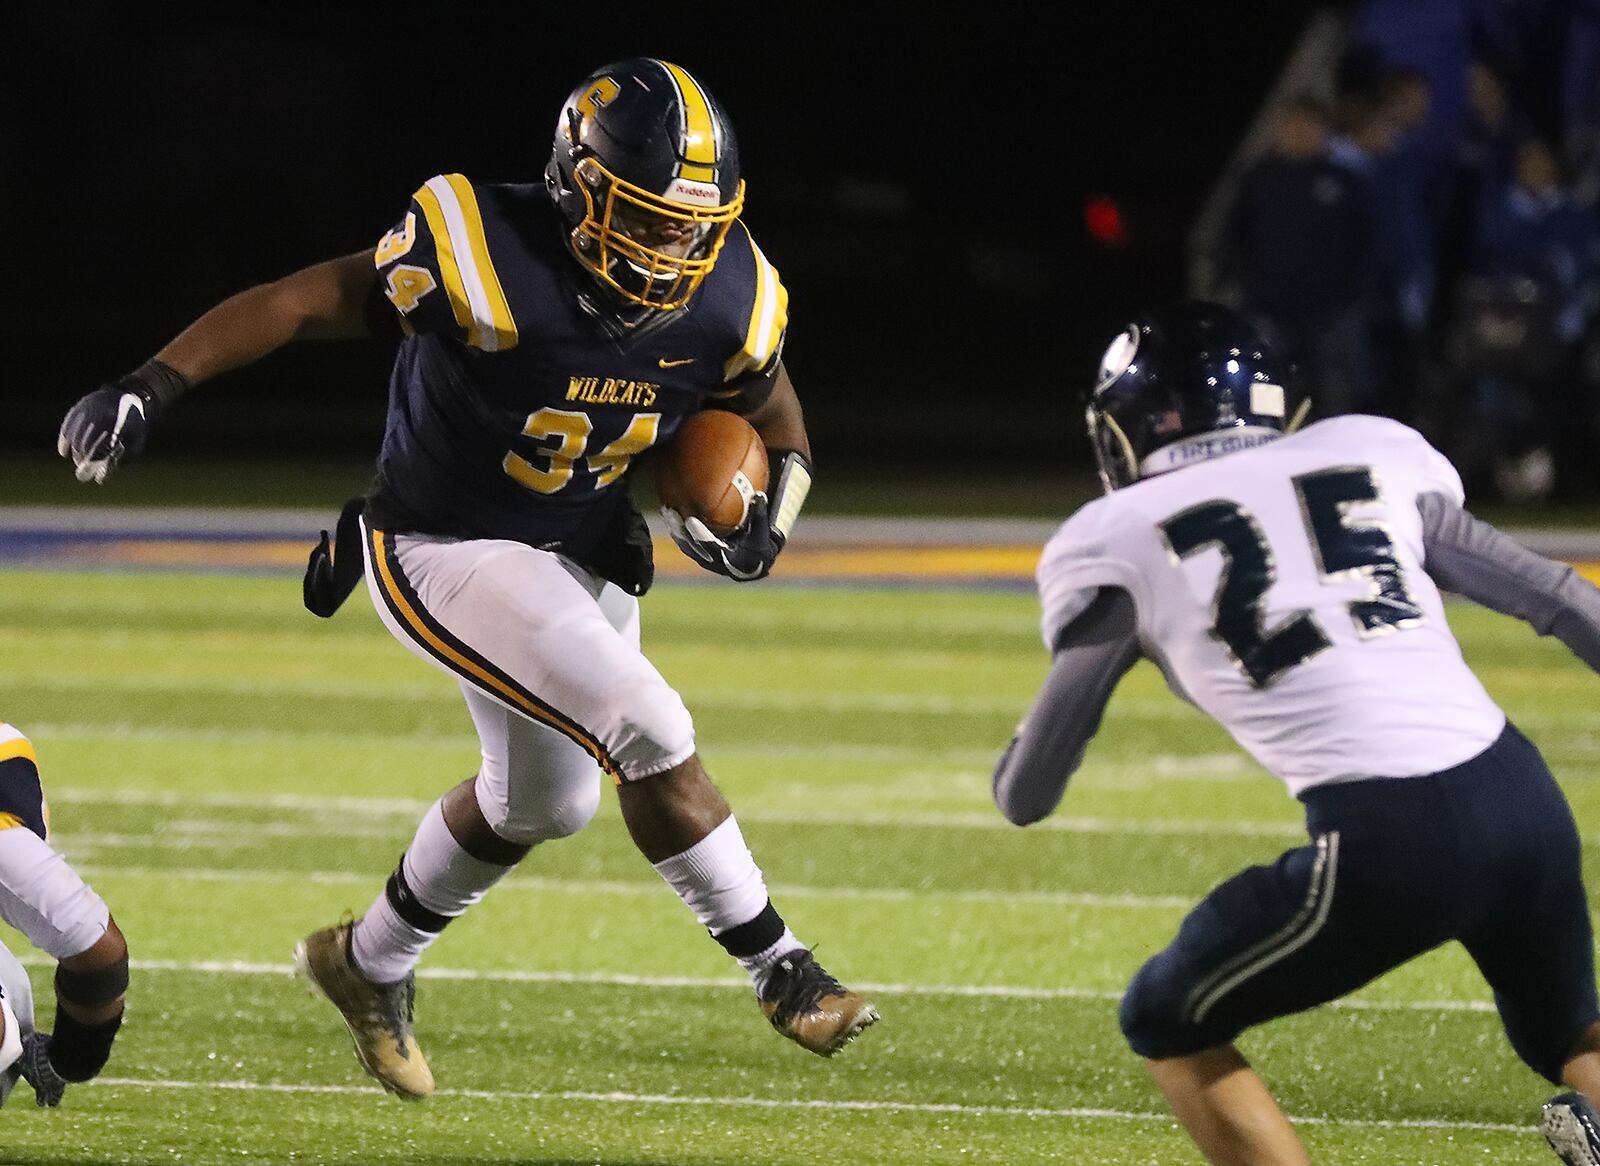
(1485, 160)
(1298, 251)
(1525, 306)
(1407, 200)
(1533, 229)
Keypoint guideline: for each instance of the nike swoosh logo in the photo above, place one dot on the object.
(665, 363)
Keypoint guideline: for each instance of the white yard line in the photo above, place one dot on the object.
(745, 700)
(406, 807)
(643, 888)
(781, 1103)
(627, 980)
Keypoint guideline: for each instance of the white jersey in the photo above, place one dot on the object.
(1282, 590)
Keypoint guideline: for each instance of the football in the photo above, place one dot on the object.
(711, 468)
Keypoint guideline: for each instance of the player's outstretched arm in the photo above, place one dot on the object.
(1090, 656)
(1468, 556)
(340, 298)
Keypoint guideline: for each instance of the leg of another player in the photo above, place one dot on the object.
(90, 987)
(680, 822)
(1582, 1071)
(1227, 1110)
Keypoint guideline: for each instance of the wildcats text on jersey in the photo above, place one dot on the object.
(612, 391)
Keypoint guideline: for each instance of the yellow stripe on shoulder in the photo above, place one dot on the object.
(499, 321)
(769, 316)
(449, 269)
(476, 296)
(9, 821)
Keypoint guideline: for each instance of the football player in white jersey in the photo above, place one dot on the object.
(43, 897)
(1287, 582)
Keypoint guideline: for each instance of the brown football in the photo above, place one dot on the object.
(710, 469)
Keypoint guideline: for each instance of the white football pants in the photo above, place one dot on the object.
(548, 656)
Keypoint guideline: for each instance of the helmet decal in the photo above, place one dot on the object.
(699, 193)
(602, 92)
(1118, 356)
(1267, 398)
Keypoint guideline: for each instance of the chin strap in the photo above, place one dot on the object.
(789, 495)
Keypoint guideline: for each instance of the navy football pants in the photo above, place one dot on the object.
(1485, 853)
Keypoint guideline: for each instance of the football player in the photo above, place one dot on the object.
(1287, 582)
(548, 334)
(43, 897)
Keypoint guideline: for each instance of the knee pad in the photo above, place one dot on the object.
(544, 809)
(1152, 1014)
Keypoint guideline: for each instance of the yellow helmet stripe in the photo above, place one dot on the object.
(699, 128)
(769, 316)
(481, 298)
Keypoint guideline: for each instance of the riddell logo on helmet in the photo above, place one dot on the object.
(699, 193)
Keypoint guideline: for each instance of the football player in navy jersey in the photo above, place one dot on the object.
(548, 334)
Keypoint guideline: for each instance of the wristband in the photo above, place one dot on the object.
(156, 380)
(794, 483)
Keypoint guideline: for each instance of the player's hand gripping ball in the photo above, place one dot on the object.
(711, 469)
(712, 480)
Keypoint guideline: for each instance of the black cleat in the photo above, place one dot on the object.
(810, 1007)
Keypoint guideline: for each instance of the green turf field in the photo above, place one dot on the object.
(232, 773)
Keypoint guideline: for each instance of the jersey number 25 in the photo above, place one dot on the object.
(1344, 550)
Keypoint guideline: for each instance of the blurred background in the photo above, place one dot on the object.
(963, 206)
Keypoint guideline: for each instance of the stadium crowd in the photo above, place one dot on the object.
(1423, 237)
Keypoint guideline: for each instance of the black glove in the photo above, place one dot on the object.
(334, 569)
(746, 554)
(48, 1085)
(113, 421)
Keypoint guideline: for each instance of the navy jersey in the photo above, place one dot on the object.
(515, 410)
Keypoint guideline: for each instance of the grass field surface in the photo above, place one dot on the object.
(231, 773)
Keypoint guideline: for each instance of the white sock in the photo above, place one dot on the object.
(717, 878)
(435, 882)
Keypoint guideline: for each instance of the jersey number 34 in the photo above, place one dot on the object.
(1344, 550)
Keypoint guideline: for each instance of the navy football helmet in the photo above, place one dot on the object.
(645, 171)
(1180, 384)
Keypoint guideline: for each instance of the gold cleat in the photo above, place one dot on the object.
(377, 1015)
(810, 1007)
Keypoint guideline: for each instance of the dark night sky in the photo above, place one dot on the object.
(917, 177)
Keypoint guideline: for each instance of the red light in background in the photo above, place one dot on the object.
(1102, 218)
